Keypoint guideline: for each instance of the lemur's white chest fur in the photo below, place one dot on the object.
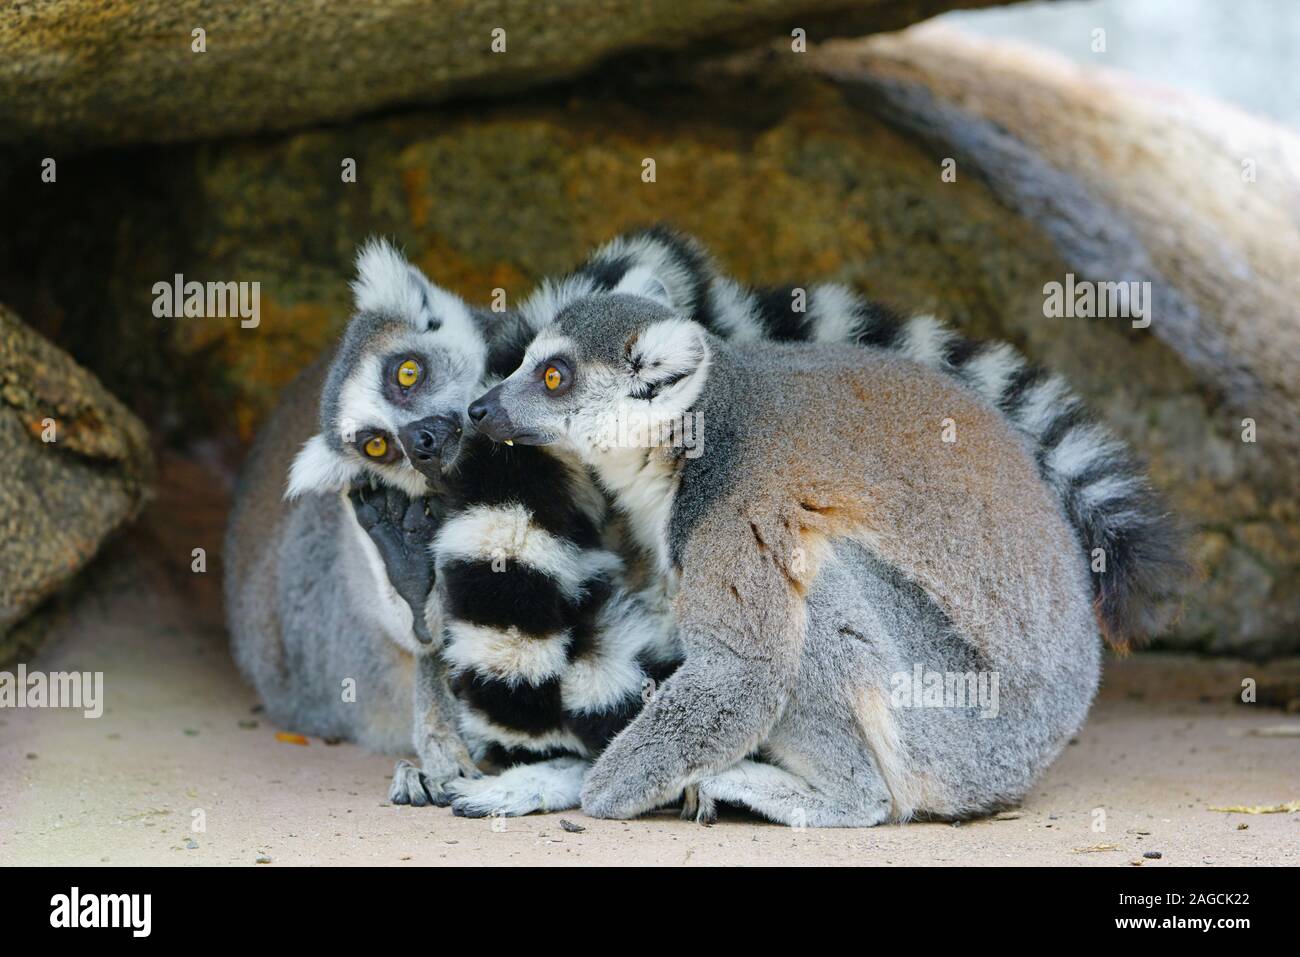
(644, 482)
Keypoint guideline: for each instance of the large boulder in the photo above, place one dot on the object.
(84, 72)
(829, 165)
(1193, 199)
(76, 469)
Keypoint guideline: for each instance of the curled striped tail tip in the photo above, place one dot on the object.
(1139, 596)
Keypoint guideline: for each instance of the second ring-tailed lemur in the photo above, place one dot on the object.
(517, 510)
(834, 556)
(549, 650)
(319, 590)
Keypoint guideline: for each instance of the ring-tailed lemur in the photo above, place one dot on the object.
(1102, 488)
(831, 552)
(319, 590)
(514, 496)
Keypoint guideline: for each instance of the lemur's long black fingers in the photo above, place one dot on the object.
(382, 522)
(401, 529)
(409, 569)
(415, 517)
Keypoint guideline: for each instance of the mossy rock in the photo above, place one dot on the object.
(77, 467)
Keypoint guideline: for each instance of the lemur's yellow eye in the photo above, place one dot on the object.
(376, 447)
(552, 378)
(408, 373)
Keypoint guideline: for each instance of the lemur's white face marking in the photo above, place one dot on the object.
(392, 405)
(614, 371)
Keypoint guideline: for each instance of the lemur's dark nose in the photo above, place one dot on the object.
(488, 405)
(491, 419)
(424, 444)
(430, 440)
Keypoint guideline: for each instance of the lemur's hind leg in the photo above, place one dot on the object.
(816, 768)
(828, 759)
(444, 759)
(402, 529)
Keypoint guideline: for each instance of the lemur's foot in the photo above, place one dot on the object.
(553, 785)
(402, 529)
(489, 797)
(699, 804)
(412, 786)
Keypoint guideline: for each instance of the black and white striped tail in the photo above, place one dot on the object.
(1122, 524)
(548, 651)
(1131, 542)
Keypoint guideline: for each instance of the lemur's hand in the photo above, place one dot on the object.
(417, 787)
(402, 529)
(431, 783)
(632, 776)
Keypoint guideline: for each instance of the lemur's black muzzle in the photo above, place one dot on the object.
(431, 443)
(490, 418)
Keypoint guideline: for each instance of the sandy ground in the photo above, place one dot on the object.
(1166, 741)
(122, 789)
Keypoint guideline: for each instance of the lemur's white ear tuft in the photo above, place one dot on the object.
(386, 283)
(641, 281)
(318, 468)
(669, 357)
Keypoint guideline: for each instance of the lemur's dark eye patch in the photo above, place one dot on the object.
(377, 446)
